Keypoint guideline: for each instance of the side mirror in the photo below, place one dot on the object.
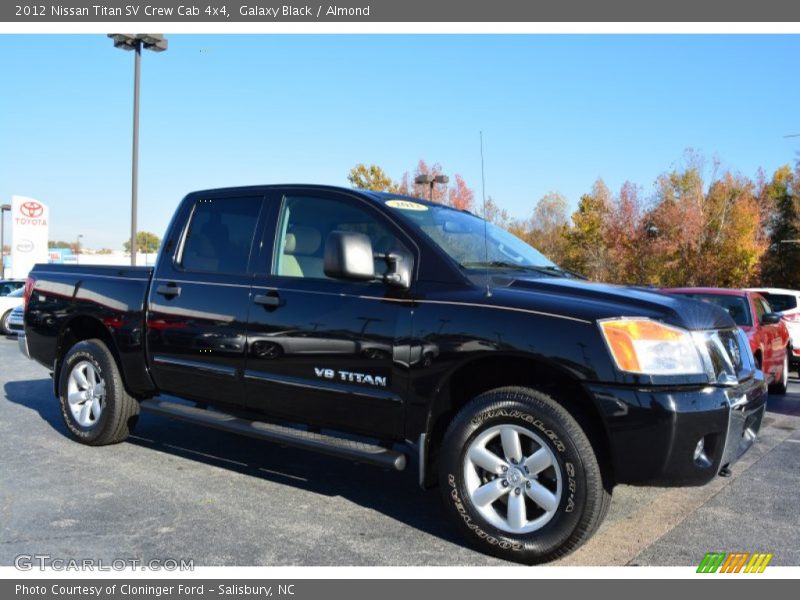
(770, 319)
(348, 255)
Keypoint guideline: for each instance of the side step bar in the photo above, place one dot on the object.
(362, 452)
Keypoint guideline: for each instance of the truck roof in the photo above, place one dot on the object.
(376, 196)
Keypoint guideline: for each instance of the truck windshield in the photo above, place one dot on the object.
(470, 241)
(735, 305)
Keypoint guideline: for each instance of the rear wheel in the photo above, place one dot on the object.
(94, 404)
(520, 477)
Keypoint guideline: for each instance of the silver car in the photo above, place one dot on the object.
(15, 323)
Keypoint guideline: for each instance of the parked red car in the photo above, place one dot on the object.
(768, 335)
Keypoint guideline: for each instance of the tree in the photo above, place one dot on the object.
(496, 215)
(54, 244)
(370, 178)
(586, 251)
(458, 194)
(780, 266)
(145, 242)
(546, 229)
(624, 233)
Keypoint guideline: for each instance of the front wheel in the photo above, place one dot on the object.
(4, 322)
(94, 404)
(520, 477)
(782, 384)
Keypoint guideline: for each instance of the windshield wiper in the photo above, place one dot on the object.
(557, 269)
(500, 264)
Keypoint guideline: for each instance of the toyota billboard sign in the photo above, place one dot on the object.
(29, 232)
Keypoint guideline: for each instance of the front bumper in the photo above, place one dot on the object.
(654, 433)
(22, 341)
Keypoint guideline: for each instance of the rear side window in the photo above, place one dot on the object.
(220, 235)
(781, 302)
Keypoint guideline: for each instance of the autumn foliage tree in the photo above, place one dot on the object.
(456, 193)
(780, 266)
(547, 226)
(370, 177)
(698, 227)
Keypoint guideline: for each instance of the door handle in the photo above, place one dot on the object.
(169, 290)
(271, 300)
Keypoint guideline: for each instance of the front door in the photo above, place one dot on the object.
(321, 350)
(199, 299)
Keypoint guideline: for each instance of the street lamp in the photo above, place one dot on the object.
(431, 180)
(135, 41)
(78, 249)
(3, 209)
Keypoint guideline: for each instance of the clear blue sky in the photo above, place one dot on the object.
(557, 112)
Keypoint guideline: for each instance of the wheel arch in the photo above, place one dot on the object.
(481, 374)
(78, 329)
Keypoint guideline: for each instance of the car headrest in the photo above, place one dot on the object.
(302, 240)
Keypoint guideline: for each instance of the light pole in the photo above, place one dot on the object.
(135, 41)
(78, 249)
(431, 180)
(3, 209)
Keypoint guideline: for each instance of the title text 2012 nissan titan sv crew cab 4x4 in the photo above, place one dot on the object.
(380, 328)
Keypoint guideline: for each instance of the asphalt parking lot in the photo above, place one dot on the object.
(179, 491)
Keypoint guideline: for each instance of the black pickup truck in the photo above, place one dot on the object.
(387, 329)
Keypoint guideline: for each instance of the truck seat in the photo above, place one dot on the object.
(299, 260)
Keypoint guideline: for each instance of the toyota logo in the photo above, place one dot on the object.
(31, 209)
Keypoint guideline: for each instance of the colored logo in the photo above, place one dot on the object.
(31, 209)
(737, 562)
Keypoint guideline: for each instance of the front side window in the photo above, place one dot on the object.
(220, 235)
(760, 308)
(304, 226)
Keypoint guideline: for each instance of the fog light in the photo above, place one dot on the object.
(700, 458)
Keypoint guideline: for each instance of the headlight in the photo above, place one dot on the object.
(652, 348)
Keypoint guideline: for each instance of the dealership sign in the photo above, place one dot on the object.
(29, 228)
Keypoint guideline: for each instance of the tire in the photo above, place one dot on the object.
(779, 387)
(4, 323)
(89, 381)
(565, 478)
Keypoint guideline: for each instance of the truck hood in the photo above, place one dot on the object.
(593, 301)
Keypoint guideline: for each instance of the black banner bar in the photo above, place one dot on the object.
(365, 11)
(396, 589)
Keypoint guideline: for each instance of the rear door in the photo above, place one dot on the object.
(199, 299)
(321, 350)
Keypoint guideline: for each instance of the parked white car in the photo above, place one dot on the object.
(787, 304)
(7, 304)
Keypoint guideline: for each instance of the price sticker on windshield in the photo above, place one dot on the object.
(406, 205)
